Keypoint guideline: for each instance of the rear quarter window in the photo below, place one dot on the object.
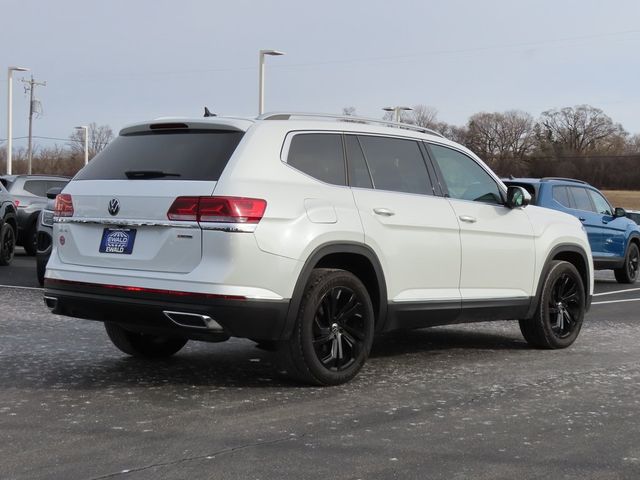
(561, 196)
(184, 155)
(319, 155)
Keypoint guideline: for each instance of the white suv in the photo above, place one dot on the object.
(308, 234)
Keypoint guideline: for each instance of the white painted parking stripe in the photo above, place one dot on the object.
(616, 291)
(21, 288)
(617, 301)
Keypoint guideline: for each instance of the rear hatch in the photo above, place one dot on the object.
(121, 198)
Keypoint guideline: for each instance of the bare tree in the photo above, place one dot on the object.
(423, 116)
(99, 137)
(349, 111)
(580, 130)
(503, 140)
(633, 144)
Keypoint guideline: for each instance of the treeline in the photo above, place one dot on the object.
(64, 159)
(578, 142)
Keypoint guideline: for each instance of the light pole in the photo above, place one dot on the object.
(10, 71)
(86, 142)
(261, 78)
(396, 111)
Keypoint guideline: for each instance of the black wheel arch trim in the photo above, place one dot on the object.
(562, 248)
(316, 256)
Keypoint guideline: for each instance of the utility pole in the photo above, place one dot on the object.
(31, 84)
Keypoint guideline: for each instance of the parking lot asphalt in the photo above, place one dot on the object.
(469, 401)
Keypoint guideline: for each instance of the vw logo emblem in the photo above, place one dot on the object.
(114, 206)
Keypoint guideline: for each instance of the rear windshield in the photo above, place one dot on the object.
(168, 155)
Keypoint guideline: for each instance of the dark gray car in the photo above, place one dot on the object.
(29, 195)
(45, 234)
(8, 226)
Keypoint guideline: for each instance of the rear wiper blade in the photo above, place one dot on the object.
(142, 174)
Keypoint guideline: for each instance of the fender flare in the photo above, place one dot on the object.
(318, 254)
(563, 247)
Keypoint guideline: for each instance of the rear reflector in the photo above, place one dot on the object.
(217, 209)
(63, 206)
(53, 283)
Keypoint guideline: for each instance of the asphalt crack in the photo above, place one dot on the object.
(208, 456)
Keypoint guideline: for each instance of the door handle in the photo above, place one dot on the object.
(467, 218)
(385, 212)
(582, 219)
(605, 222)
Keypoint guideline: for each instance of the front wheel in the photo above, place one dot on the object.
(7, 244)
(561, 308)
(629, 272)
(333, 332)
(143, 345)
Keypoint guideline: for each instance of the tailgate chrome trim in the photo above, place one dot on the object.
(126, 222)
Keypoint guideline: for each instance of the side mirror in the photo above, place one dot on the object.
(53, 192)
(619, 212)
(517, 197)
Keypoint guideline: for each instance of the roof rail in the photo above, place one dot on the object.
(348, 118)
(544, 179)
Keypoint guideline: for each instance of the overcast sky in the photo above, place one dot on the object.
(119, 61)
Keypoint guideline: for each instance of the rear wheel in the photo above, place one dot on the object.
(7, 244)
(333, 332)
(629, 272)
(561, 308)
(41, 267)
(143, 345)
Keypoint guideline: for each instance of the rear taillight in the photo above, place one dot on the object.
(16, 203)
(217, 209)
(63, 206)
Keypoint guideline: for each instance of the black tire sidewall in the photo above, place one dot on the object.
(627, 259)
(31, 240)
(333, 279)
(6, 257)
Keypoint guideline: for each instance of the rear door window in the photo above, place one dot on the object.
(358, 171)
(319, 155)
(581, 199)
(396, 164)
(167, 155)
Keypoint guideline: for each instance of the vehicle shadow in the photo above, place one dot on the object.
(235, 364)
(438, 339)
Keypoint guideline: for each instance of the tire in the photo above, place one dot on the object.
(561, 308)
(143, 345)
(41, 267)
(334, 330)
(30, 242)
(7, 244)
(629, 272)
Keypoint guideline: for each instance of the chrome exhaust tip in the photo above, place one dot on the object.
(193, 320)
(51, 302)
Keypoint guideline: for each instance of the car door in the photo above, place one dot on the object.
(414, 232)
(583, 208)
(612, 229)
(498, 252)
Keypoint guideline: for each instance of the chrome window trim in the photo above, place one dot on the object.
(125, 222)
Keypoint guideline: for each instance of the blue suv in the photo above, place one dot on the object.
(614, 238)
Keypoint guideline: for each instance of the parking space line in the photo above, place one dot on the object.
(617, 301)
(22, 288)
(616, 291)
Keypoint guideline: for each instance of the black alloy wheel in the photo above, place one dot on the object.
(560, 311)
(339, 329)
(629, 272)
(333, 332)
(7, 244)
(564, 305)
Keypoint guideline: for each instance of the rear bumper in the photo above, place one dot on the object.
(146, 310)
